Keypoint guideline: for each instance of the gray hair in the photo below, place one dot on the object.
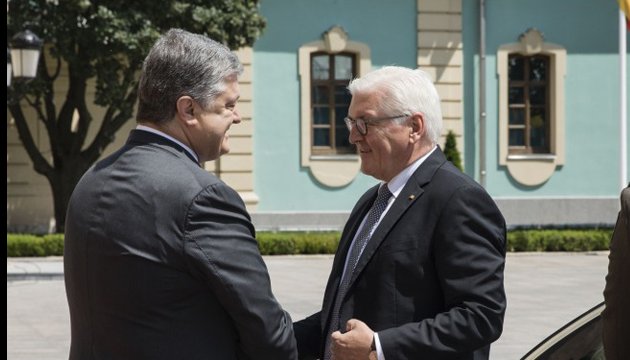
(404, 91)
(179, 64)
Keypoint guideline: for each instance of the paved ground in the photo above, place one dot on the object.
(544, 292)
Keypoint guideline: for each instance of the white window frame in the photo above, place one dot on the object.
(330, 170)
(534, 169)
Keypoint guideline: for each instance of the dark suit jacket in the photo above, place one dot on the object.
(430, 280)
(161, 262)
(616, 315)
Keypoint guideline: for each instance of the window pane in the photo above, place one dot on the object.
(320, 67)
(517, 137)
(321, 115)
(537, 95)
(319, 95)
(321, 137)
(515, 68)
(343, 67)
(537, 68)
(342, 95)
(517, 116)
(340, 113)
(516, 95)
(538, 129)
(330, 100)
(341, 137)
(585, 342)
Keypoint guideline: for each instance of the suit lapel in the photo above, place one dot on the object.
(354, 222)
(357, 215)
(411, 192)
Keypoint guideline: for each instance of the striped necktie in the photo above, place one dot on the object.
(379, 206)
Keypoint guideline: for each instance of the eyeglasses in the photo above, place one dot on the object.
(361, 124)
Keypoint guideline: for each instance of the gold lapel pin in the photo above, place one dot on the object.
(411, 197)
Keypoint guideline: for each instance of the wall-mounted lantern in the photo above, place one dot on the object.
(24, 56)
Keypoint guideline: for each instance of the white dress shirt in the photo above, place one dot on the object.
(396, 184)
(158, 132)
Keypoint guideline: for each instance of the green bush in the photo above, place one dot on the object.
(559, 240)
(451, 152)
(326, 242)
(25, 245)
(53, 244)
(295, 242)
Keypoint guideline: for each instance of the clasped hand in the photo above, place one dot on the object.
(354, 344)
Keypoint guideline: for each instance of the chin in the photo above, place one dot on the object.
(367, 171)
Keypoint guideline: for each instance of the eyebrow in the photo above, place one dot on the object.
(232, 99)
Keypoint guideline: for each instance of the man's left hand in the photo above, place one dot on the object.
(354, 344)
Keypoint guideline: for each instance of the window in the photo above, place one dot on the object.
(528, 103)
(330, 74)
(326, 67)
(579, 339)
(531, 108)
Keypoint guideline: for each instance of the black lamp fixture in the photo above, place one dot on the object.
(24, 56)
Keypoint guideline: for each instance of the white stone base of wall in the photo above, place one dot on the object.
(541, 212)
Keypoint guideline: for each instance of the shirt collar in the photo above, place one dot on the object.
(397, 183)
(158, 132)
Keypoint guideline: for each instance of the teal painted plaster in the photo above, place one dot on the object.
(388, 28)
(588, 30)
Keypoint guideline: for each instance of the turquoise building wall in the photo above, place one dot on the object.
(588, 30)
(582, 191)
(388, 28)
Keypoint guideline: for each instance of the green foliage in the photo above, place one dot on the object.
(24, 245)
(103, 43)
(451, 152)
(326, 242)
(109, 39)
(276, 243)
(559, 240)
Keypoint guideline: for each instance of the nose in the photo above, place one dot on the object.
(237, 117)
(354, 135)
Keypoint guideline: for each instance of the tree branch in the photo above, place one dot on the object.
(40, 164)
(112, 120)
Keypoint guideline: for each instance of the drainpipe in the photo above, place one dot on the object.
(623, 161)
(482, 93)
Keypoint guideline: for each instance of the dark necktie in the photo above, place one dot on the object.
(379, 206)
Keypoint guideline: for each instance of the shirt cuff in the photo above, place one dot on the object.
(379, 349)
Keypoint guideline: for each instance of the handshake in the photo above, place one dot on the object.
(161, 259)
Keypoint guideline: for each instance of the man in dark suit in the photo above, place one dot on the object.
(419, 271)
(616, 315)
(160, 257)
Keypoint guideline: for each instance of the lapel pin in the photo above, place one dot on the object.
(411, 197)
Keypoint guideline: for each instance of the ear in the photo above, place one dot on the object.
(416, 123)
(186, 110)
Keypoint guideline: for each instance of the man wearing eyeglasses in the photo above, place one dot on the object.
(419, 269)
